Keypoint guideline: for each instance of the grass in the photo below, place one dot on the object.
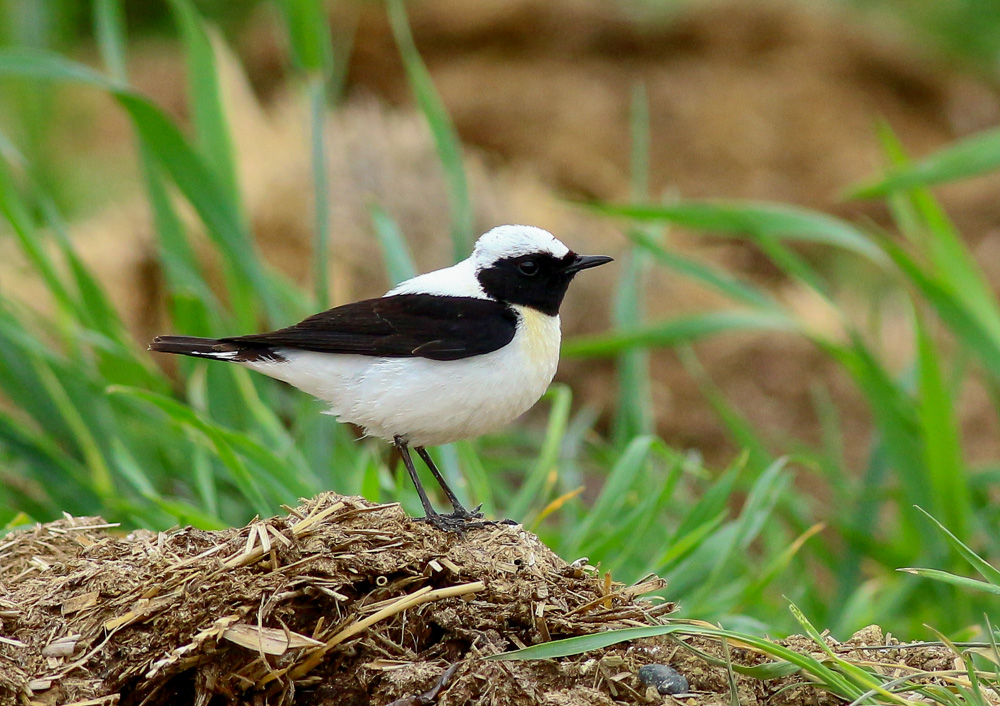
(91, 425)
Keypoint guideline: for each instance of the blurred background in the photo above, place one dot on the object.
(750, 402)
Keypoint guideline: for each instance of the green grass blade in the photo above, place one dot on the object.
(449, 148)
(196, 180)
(755, 219)
(955, 580)
(18, 214)
(570, 646)
(631, 466)
(968, 157)
(634, 405)
(481, 485)
(100, 474)
(65, 478)
(43, 65)
(219, 438)
(757, 510)
(686, 329)
(214, 141)
(862, 680)
(309, 36)
(986, 570)
(195, 308)
(546, 467)
(941, 437)
(707, 275)
(739, 427)
(316, 88)
(396, 255)
(928, 227)
(312, 54)
(977, 336)
(199, 185)
(109, 29)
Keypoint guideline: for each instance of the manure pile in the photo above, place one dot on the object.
(341, 602)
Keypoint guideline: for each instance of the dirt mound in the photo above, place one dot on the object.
(340, 602)
(357, 603)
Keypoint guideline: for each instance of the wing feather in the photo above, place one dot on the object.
(401, 325)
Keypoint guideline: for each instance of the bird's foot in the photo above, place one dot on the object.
(462, 513)
(459, 521)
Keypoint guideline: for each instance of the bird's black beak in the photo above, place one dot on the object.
(583, 262)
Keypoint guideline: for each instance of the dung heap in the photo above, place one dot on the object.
(341, 601)
(345, 603)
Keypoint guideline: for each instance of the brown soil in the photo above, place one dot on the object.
(340, 602)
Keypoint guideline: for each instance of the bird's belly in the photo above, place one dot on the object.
(429, 402)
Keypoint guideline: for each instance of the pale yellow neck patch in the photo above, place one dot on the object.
(540, 337)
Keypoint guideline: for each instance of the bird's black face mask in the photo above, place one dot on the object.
(538, 280)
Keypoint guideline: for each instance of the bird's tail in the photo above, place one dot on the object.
(213, 348)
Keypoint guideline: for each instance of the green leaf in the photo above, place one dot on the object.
(196, 180)
(941, 437)
(309, 36)
(708, 275)
(546, 467)
(634, 414)
(186, 417)
(969, 157)
(205, 98)
(44, 65)
(986, 570)
(960, 581)
(395, 251)
(925, 223)
(567, 647)
(975, 334)
(446, 140)
(100, 475)
(219, 213)
(755, 219)
(586, 643)
(684, 329)
(316, 89)
(109, 29)
(629, 468)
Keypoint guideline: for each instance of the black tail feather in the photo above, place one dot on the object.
(213, 348)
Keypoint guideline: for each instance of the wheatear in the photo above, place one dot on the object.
(447, 355)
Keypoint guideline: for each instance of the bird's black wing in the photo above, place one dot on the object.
(402, 325)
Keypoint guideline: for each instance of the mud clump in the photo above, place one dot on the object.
(340, 602)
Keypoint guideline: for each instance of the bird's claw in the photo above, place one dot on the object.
(458, 522)
(461, 513)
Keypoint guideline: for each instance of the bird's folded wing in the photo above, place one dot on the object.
(402, 325)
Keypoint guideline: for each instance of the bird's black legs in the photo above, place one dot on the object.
(457, 521)
(404, 451)
(460, 510)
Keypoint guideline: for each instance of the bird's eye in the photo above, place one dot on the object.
(529, 268)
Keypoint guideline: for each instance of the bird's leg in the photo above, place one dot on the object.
(448, 523)
(404, 451)
(460, 511)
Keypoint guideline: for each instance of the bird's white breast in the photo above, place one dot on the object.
(431, 402)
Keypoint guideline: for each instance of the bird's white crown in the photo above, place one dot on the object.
(497, 244)
(514, 241)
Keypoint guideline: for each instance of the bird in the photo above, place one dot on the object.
(447, 355)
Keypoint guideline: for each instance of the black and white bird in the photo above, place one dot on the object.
(447, 355)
